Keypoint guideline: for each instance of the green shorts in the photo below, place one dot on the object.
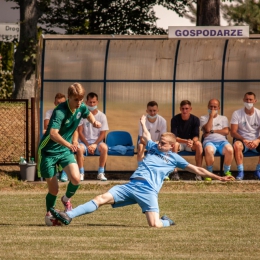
(47, 162)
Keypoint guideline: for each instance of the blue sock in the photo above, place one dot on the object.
(101, 170)
(240, 167)
(83, 209)
(258, 167)
(139, 163)
(81, 170)
(226, 168)
(165, 223)
(210, 168)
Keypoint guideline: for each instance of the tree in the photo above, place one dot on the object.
(26, 49)
(244, 12)
(82, 17)
(206, 13)
(101, 17)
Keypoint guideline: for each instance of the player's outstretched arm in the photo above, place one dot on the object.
(204, 173)
(146, 134)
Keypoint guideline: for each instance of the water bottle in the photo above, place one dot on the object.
(31, 160)
(22, 161)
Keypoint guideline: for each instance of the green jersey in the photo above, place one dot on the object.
(67, 122)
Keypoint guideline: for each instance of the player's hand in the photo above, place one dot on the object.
(73, 148)
(190, 143)
(227, 178)
(143, 119)
(76, 143)
(92, 148)
(97, 124)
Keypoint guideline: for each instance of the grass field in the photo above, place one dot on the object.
(213, 221)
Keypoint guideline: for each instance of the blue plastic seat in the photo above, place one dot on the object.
(120, 143)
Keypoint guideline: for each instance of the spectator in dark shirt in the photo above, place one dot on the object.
(186, 128)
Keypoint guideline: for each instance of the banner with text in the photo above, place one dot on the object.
(9, 32)
(192, 32)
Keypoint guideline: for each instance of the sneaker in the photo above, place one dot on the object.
(198, 178)
(51, 221)
(240, 176)
(82, 176)
(170, 221)
(166, 178)
(257, 174)
(61, 216)
(64, 177)
(175, 176)
(207, 179)
(67, 205)
(228, 173)
(101, 176)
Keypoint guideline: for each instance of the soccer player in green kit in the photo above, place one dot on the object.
(57, 147)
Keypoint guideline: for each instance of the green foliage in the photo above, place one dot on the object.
(6, 69)
(101, 17)
(244, 12)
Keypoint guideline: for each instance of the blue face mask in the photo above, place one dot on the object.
(209, 111)
(152, 117)
(92, 108)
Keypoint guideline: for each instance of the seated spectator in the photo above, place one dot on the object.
(91, 138)
(245, 126)
(59, 98)
(186, 128)
(215, 130)
(156, 126)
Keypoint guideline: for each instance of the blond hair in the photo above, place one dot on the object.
(170, 137)
(76, 89)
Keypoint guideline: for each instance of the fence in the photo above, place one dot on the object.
(17, 130)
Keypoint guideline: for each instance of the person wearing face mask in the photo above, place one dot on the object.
(245, 126)
(91, 139)
(215, 130)
(155, 124)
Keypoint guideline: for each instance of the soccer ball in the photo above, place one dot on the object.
(51, 221)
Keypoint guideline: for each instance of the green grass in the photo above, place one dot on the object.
(209, 225)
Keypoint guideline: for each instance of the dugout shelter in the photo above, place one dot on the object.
(129, 71)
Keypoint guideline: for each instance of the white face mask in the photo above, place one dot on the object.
(248, 105)
(152, 117)
(92, 108)
(209, 111)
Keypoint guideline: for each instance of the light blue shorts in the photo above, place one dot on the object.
(218, 146)
(86, 150)
(247, 149)
(135, 191)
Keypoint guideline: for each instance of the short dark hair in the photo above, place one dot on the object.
(92, 95)
(185, 102)
(59, 96)
(250, 94)
(152, 104)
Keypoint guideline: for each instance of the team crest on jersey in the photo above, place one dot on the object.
(78, 115)
(87, 124)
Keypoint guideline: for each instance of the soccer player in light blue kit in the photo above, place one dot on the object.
(145, 183)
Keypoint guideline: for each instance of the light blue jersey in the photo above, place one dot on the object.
(157, 165)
